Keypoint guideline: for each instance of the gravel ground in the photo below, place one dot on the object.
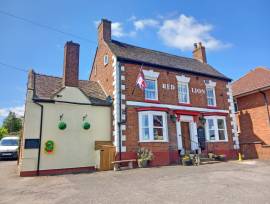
(230, 182)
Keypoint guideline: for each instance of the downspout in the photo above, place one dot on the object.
(120, 111)
(40, 136)
(266, 104)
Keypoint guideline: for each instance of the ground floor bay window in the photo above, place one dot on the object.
(153, 126)
(215, 128)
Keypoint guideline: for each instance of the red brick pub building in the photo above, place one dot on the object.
(252, 97)
(186, 101)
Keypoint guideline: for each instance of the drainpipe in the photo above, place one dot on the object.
(40, 136)
(266, 104)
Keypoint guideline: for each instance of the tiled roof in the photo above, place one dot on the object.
(45, 87)
(256, 79)
(131, 52)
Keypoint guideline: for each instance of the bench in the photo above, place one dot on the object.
(116, 164)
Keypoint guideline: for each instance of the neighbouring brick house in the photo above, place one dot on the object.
(251, 95)
(185, 98)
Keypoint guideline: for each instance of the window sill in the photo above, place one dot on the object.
(184, 104)
(212, 107)
(152, 141)
(151, 101)
(215, 141)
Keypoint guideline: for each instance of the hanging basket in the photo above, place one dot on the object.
(62, 125)
(49, 146)
(86, 125)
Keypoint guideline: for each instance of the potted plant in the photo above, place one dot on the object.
(186, 160)
(144, 156)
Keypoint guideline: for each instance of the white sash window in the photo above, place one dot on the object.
(215, 128)
(153, 126)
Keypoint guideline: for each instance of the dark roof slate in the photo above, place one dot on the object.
(134, 53)
(45, 87)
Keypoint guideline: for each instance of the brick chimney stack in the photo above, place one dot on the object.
(71, 64)
(104, 30)
(199, 52)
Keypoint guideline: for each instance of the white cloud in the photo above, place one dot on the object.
(19, 111)
(141, 24)
(117, 29)
(184, 31)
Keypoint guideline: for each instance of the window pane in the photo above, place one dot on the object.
(221, 124)
(145, 121)
(183, 92)
(212, 134)
(210, 101)
(150, 91)
(221, 135)
(150, 94)
(157, 120)
(158, 133)
(150, 84)
(210, 124)
(145, 133)
(210, 92)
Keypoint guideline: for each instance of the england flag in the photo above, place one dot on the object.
(140, 80)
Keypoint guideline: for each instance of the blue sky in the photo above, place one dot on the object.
(236, 35)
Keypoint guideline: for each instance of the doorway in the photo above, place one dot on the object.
(185, 132)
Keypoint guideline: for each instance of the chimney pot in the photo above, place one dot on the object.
(71, 64)
(199, 52)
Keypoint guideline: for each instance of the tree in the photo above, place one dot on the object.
(12, 123)
(3, 132)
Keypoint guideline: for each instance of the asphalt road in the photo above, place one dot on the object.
(231, 182)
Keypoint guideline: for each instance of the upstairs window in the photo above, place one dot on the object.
(211, 98)
(183, 92)
(210, 92)
(151, 80)
(106, 59)
(151, 89)
(183, 89)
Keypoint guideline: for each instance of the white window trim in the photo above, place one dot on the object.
(214, 94)
(165, 126)
(179, 98)
(183, 80)
(156, 90)
(106, 59)
(215, 118)
(151, 75)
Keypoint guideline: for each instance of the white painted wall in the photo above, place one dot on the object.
(74, 146)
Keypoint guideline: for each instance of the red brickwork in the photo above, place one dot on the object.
(254, 125)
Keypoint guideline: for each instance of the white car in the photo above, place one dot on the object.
(9, 147)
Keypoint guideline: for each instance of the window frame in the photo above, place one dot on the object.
(105, 59)
(151, 126)
(156, 89)
(180, 94)
(215, 119)
(214, 96)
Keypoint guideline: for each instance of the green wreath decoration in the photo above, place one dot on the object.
(86, 125)
(49, 146)
(62, 125)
